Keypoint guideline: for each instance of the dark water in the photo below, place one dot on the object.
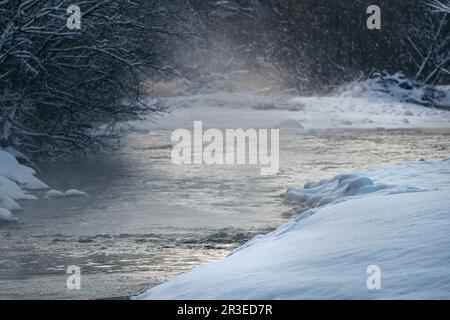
(147, 220)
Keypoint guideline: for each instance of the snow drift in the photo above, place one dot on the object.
(399, 88)
(396, 217)
(16, 182)
(358, 109)
(402, 178)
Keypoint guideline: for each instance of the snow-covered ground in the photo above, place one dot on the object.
(351, 110)
(397, 87)
(396, 218)
(16, 183)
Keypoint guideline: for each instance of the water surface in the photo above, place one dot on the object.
(147, 220)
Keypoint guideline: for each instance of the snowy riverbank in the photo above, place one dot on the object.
(16, 183)
(355, 109)
(395, 217)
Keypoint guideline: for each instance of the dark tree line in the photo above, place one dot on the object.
(334, 44)
(57, 84)
(316, 44)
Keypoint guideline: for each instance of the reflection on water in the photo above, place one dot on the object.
(147, 220)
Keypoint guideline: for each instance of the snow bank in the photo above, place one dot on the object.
(408, 177)
(348, 112)
(6, 215)
(10, 189)
(72, 193)
(20, 174)
(397, 218)
(8, 203)
(329, 191)
(16, 181)
(53, 194)
(75, 193)
(398, 88)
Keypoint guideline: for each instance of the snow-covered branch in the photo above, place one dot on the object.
(441, 6)
(56, 84)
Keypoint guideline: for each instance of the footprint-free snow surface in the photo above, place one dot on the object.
(396, 218)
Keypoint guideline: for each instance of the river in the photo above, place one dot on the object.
(147, 220)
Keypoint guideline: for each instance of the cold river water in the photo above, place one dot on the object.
(147, 220)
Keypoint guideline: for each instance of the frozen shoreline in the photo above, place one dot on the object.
(19, 182)
(349, 112)
(403, 228)
(16, 183)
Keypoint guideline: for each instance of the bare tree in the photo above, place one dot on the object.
(317, 44)
(57, 84)
(431, 45)
(439, 6)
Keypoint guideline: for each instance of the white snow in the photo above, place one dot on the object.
(8, 203)
(53, 194)
(20, 174)
(11, 189)
(75, 193)
(56, 194)
(397, 87)
(346, 112)
(16, 182)
(332, 190)
(396, 217)
(387, 180)
(6, 215)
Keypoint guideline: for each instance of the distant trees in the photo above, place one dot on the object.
(318, 44)
(326, 42)
(56, 84)
(432, 45)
